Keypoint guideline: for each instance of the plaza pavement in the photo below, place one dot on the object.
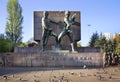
(38, 74)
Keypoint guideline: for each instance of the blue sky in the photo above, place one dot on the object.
(102, 15)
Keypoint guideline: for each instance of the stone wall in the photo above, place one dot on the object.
(37, 49)
(88, 49)
(27, 49)
(55, 59)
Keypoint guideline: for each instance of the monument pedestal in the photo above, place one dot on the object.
(57, 51)
(57, 59)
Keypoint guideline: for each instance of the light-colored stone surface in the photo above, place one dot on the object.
(55, 59)
(37, 49)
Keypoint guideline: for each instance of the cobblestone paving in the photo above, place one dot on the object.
(36, 74)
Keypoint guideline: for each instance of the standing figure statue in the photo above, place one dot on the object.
(67, 29)
(47, 30)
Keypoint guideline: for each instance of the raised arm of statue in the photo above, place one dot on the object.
(68, 21)
(53, 22)
(72, 19)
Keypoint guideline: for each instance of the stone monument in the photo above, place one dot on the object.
(57, 33)
(64, 26)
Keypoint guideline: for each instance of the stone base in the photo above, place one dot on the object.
(61, 59)
(56, 51)
(59, 51)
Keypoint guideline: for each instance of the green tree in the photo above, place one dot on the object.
(14, 21)
(94, 41)
(118, 48)
(23, 44)
(109, 46)
(5, 44)
(117, 39)
(114, 45)
(78, 44)
(102, 42)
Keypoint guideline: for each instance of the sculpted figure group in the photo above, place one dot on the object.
(48, 31)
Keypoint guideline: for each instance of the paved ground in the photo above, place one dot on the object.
(36, 74)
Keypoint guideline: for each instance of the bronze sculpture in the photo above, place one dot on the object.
(47, 30)
(67, 29)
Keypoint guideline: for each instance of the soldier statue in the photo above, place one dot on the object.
(47, 30)
(67, 29)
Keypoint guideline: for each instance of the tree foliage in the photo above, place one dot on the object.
(102, 42)
(117, 39)
(23, 44)
(14, 21)
(118, 48)
(94, 41)
(78, 44)
(112, 45)
(5, 44)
